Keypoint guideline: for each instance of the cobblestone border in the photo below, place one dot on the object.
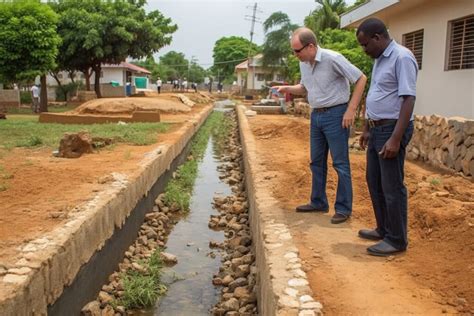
(283, 288)
(47, 264)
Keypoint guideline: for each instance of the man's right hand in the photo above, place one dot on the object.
(281, 89)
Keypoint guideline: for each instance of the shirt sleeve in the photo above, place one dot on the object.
(407, 71)
(347, 70)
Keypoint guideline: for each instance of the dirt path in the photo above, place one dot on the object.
(434, 276)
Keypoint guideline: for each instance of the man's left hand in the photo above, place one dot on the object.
(390, 149)
(348, 118)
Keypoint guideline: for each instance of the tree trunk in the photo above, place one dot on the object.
(97, 70)
(87, 75)
(60, 86)
(43, 95)
(72, 74)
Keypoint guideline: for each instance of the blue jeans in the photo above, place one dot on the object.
(328, 135)
(386, 187)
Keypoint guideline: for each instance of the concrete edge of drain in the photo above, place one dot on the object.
(51, 262)
(283, 287)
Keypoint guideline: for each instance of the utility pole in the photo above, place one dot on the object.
(250, 61)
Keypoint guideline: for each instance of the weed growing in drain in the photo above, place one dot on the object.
(178, 191)
(141, 289)
(26, 131)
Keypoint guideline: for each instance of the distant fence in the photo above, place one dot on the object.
(9, 98)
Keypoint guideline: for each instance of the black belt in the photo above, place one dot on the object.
(320, 110)
(381, 122)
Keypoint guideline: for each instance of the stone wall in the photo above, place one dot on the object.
(9, 98)
(444, 142)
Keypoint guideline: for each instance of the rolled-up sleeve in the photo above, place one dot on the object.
(407, 71)
(346, 69)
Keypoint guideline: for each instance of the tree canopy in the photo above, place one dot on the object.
(228, 52)
(278, 29)
(327, 15)
(96, 32)
(28, 40)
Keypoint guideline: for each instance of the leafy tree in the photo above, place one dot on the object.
(28, 42)
(327, 15)
(345, 42)
(173, 65)
(278, 29)
(229, 52)
(97, 31)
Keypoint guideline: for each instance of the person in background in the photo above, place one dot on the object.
(35, 95)
(325, 78)
(158, 85)
(387, 132)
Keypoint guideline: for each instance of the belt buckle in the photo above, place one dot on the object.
(371, 123)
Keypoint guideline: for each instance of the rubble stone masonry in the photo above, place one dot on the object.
(447, 143)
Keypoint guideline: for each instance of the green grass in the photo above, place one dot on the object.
(435, 181)
(142, 289)
(25, 131)
(52, 109)
(178, 191)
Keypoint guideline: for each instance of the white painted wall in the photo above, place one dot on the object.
(447, 93)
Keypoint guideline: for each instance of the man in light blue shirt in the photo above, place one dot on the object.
(326, 77)
(388, 130)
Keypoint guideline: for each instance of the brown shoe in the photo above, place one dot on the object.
(339, 218)
(309, 208)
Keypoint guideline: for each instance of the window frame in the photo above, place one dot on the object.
(448, 57)
(414, 34)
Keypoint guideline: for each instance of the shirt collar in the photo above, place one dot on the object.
(319, 53)
(388, 50)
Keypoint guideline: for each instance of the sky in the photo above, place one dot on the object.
(202, 22)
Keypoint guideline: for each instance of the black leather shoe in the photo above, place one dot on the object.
(339, 218)
(370, 234)
(309, 208)
(383, 249)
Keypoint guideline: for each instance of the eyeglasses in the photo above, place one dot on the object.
(296, 51)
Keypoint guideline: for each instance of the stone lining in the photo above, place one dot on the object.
(51, 262)
(283, 288)
(444, 142)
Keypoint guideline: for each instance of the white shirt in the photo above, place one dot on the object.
(158, 82)
(35, 90)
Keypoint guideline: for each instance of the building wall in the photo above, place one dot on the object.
(446, 93)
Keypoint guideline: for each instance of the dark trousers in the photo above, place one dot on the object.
(387, 190)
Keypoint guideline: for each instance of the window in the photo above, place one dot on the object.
(461, 44)
(260, 77)
(414, 42)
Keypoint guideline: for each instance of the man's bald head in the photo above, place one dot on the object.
(305, 36)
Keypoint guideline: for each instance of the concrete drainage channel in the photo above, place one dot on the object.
(259, 271)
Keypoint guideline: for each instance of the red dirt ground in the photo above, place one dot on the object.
(435, 275)
(43, 189)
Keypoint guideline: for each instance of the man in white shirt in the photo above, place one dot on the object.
(158, 85)
(35, 94)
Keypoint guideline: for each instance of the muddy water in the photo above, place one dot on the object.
(190, 289)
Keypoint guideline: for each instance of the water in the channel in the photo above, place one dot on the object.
(190, 289)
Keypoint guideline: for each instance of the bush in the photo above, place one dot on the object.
(65, 92)
(25, 97)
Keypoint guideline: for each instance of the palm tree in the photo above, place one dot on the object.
(327, 15)
(278, 29)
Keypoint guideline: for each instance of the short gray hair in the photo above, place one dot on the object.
(306, 36)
